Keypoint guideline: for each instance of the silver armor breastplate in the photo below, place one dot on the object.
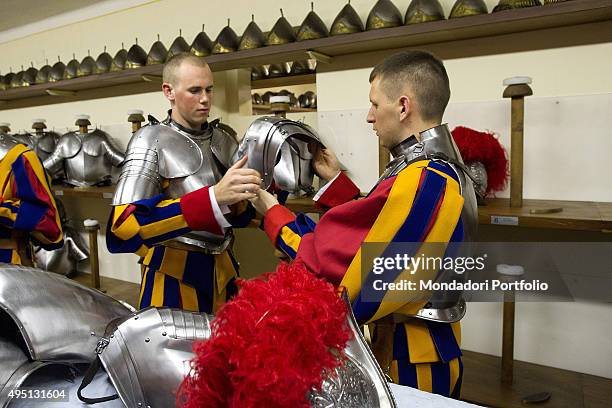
(168, 159)
(87, 158)
(437, 144)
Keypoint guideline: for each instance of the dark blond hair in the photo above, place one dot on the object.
(174, 63)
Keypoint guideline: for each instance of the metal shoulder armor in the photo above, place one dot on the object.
(69, 145)
(56, 324)
(155, 152)
(46, 142)
(224, 144)
(7, 142)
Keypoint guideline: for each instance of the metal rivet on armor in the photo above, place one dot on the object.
(135, 317)
(140, 404)
(430, 313)
(147, 340)
(92, 333)
(164, 333)
(112, 336)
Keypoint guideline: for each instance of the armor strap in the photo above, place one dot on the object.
(87, 379)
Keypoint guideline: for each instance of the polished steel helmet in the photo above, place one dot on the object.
(422, 11)
(252, 37)
(136, 56)
(279, 70)
(281, 33)
(158, 53)
(201, 45)
(17, 80)
(29, 75)
(57, 71)
(43, 73)
(303, 67)
(259, 72)
(87, 66)
(72, 68)
(178, 46)
(384, 14)
(227, 40)
(347, 21)
(514, 4)
(120, 59)
(312, 27)
(465, 8)
(103, 62)
(278, 149)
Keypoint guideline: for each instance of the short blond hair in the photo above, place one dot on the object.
(174, 63)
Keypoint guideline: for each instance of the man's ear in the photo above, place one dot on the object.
(168, 91)
(405, 107)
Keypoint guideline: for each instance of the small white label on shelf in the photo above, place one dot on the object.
(59, 192)
(504, 220)
(107, 195)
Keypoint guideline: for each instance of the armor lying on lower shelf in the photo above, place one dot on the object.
(63, 260)
(85, 156)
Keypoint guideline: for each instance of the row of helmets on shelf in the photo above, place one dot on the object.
(308, 66)
(384, 14)
(80, 158)
(306, 100)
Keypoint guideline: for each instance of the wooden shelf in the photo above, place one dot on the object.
(586, 16)
(284, 81)
(575, 215)
(105, 192)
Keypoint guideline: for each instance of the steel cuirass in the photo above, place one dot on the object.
(87, 158)
(168, 159)
(437, 144)
(147, 355)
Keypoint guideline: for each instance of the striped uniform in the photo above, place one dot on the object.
(27, 210)
(181, 278)
(423, 203)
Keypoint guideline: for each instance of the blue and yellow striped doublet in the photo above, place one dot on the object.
(422, 204)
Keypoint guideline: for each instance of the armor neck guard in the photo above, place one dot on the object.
(434, 141)
(204, 131)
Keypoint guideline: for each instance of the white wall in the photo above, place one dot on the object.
(574, 336)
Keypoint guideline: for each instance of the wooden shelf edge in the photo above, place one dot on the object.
(284, 81)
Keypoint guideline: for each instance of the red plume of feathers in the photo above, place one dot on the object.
(270, 345)
(485, 148)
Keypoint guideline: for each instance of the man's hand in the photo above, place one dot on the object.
(238, 184)
(263, 202)
(325, 163)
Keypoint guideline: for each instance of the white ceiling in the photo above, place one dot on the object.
(17, 13)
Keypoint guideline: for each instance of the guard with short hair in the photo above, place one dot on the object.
(179, 195)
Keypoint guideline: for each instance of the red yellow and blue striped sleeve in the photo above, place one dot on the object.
(136, 227)
(27, 202)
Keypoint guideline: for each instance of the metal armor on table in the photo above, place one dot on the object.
(188, 160)
(437, 144)
(47, 325)
(87, 158)
(147, 356)
(278, 149)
